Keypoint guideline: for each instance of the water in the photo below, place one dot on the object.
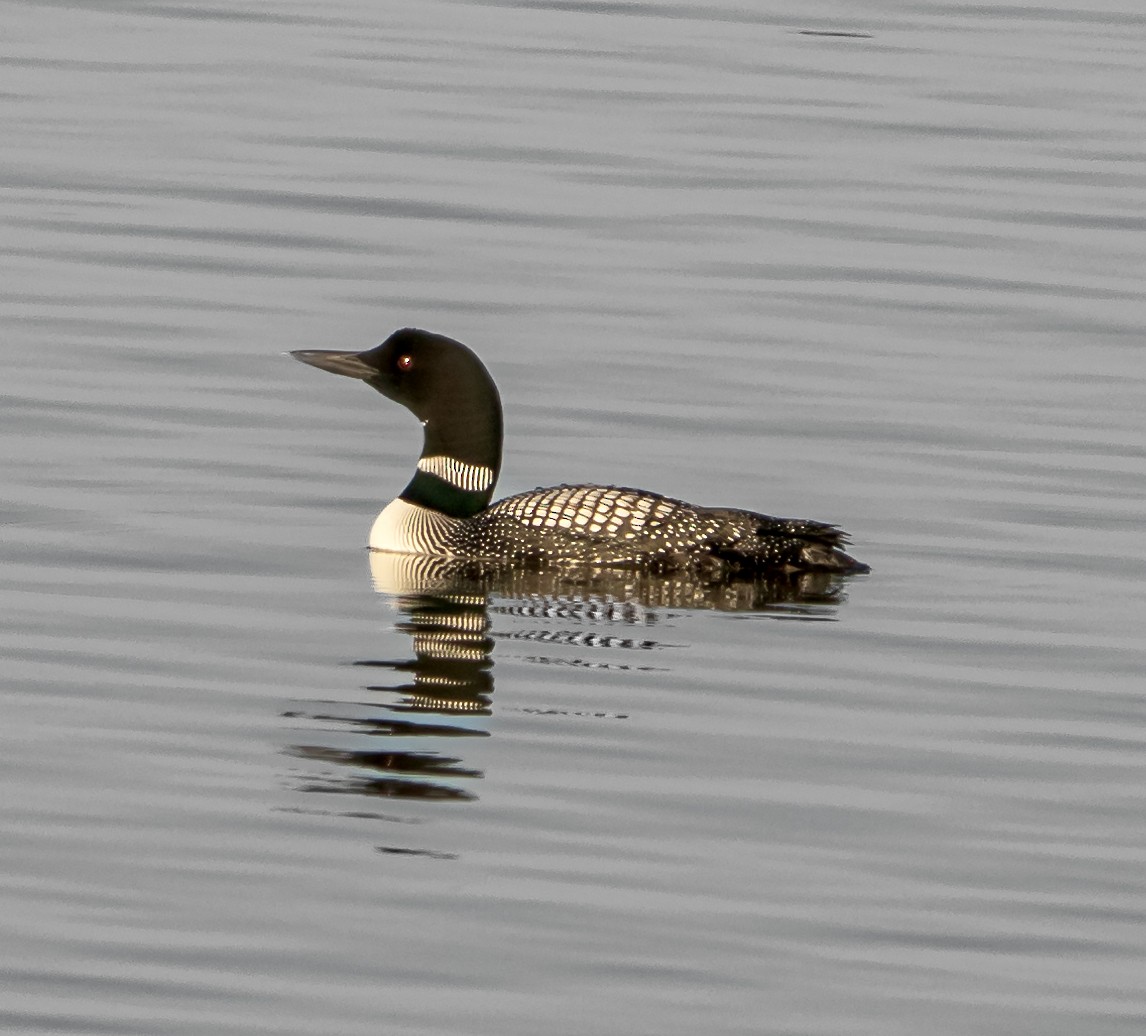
(893, 282)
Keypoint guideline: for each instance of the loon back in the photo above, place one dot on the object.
(445, 510)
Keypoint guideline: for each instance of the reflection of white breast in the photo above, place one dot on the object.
(406, 528)
(421, 574)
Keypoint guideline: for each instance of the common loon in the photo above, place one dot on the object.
(445, 510)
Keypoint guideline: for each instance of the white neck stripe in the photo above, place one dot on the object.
(474, 478)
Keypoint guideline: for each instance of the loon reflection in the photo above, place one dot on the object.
(456, 610)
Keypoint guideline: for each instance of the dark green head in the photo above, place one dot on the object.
(448, 389)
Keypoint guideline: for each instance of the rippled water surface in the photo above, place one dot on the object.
(893, 279)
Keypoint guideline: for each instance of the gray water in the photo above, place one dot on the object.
(891, 280)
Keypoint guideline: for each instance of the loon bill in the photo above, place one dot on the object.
(445, 511)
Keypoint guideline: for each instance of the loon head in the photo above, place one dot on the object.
(449, 390)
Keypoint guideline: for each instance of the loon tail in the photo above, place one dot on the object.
(750, 542)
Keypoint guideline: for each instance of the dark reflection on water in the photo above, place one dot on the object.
(444, 693)
(598, 593)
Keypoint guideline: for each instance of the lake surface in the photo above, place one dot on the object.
(254, 783)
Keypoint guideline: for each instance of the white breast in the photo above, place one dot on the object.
(406, 528)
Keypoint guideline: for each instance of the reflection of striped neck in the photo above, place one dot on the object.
(450, 486)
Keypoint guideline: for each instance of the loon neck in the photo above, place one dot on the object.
(461, 454)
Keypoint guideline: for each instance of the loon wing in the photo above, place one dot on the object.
(618, 526)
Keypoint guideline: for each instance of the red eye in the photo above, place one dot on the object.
(405, 362)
